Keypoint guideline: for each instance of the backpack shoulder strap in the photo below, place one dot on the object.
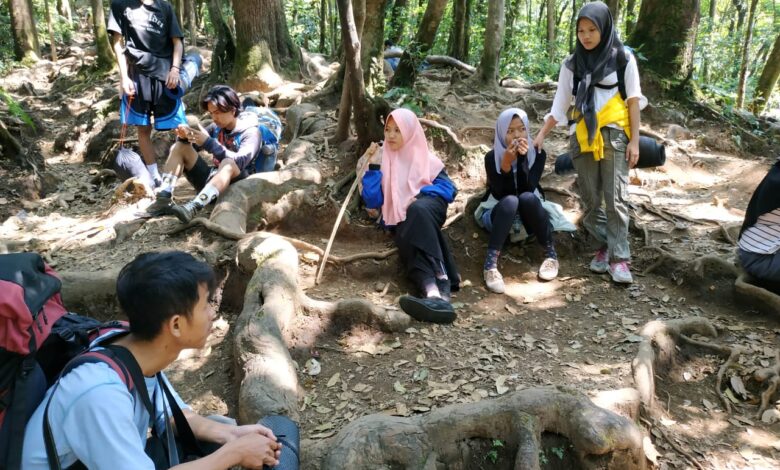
(622, 63)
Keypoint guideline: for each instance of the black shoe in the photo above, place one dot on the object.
(186, 212)
(444, 289)
(161, 205)
(432, 309)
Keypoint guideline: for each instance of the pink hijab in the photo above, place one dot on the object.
(406, 171)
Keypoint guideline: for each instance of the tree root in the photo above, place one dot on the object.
(696, 265)
(657, 352)
(265, 370)
(234, 205)
(125, 230)
(770, 375)
(756, 295)
(601, 438)
(674, 444)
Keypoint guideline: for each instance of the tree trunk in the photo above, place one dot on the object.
(487, 73)
(334, 34)
(666, 32)
(192, 22)
(406, 73)
(746, 55)
(50, 25)
(263, 45)
(105, 57)
(397, 20)
(345, 105)
(323, 24)
(354, 77)
(513, 7)
(551, 29)
(456, 45)
(224, 47)
(631, 16)
(573, 26)
(372, 44)
(178, 7)
(63, 8)
(24, 32)
(768, 78)
(614, 7)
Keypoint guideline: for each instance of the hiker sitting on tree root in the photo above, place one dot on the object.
(99, 415)
(759, 239)
(234, 141)
(413, 190)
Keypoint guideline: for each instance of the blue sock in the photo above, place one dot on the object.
(549, 252)
(491, 260)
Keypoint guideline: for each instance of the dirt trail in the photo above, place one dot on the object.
(579, 329)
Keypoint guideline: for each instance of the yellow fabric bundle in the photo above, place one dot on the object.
(614, 111)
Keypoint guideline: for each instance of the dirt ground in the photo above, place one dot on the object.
(579, 329)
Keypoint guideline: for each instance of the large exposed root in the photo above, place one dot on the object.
(770, 376)
(264, 367)
(756, 295)
(601, 438)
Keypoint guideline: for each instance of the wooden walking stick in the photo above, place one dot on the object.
(341, 214)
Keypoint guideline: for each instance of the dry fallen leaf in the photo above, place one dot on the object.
(500, 387)
(650, 451)
(334, 379)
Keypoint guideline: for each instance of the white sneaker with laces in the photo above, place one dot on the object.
(549, 269)
(600, 262)
(494, 281)
(620, 272)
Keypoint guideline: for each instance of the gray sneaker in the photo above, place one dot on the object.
(186, 212)
(600, 262)
(161, 206)
(620, 272)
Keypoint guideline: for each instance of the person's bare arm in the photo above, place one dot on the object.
(632, 150)
(126, 85)
(173, 75)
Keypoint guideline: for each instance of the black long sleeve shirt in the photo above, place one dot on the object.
(502, 184)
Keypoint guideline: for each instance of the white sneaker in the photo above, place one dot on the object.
(620, 272)
(494, 281)
(600, 262)
(549, 269)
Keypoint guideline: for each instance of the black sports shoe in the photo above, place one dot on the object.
(431, 309)
(161, 205)
(186, 212)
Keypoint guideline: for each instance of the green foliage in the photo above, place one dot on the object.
(402, 97)
(16, 109)
(492, 454)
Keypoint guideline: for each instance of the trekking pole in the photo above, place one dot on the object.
(338, 220)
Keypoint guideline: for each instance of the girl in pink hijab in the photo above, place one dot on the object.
(412, 189)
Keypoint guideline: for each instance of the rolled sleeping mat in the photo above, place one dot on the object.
(287, 434)
(128, 164)
(651, 154)
(190, 68)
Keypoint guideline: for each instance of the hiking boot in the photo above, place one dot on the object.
(445, 289)
(186, 212)
(600, 262)
(620, 272)
(161, 205)
(494, 281)
(549, 269)
(431, 309)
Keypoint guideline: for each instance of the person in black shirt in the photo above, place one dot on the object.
(513, 197)
(149, 66)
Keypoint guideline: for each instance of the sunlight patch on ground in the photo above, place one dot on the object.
(524, 291)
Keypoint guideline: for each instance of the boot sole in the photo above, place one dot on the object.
(422, 312)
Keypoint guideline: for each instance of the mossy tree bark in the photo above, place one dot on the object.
(406, 73)
(224, 46)
(263, 45)
(105, 57)
(398, 20)
(458, 43)
(23, 27)
(666, 32)
(487, 73)
(743, 67)
(63, 8)
(768, 78)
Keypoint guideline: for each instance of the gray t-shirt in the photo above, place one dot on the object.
(148, 31)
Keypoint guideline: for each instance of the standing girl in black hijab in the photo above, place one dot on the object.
(604, 133)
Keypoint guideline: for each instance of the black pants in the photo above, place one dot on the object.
(422, 247)
(535, 219)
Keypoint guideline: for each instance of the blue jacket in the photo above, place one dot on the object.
(442, 187)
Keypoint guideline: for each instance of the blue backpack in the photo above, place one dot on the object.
(271, 132)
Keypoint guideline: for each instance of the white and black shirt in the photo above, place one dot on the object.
(763, 237)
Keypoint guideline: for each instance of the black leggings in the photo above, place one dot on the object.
(532, 213)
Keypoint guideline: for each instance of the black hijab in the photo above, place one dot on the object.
(595, 64)
(765, 199)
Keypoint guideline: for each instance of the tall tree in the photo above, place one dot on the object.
(63, 8)
(666, 32)
(345, 105)
(263, 44)
(406, 72)
(224, 51)
(105, 56)
(323, 25)
(24, 32)
(397, 20)
(630, 16)
(372, 38)
(614, 8)
(458, 42)
(192, 23)
(551, 29)
(50, 25)
(746, 54)
(487, 72)
(768, 79)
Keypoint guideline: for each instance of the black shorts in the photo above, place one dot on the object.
(200, 174)
(152, 98)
